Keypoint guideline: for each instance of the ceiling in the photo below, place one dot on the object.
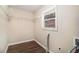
(30, 8)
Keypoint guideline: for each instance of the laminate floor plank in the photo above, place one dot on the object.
(26, 47)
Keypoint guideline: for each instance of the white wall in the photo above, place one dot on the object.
(3, 29)
(78, 23)
(67, 28)
(22, 28)
(21, 25)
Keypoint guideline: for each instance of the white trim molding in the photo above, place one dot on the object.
(20, 42)
(28, 41)
(43, 46)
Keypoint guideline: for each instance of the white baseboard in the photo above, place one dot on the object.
(43, 46)
(20, 42)
(17, 43)
(6, 49)
(28, 41)
(40, 44)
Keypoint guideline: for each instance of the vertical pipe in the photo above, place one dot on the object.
(48, 43)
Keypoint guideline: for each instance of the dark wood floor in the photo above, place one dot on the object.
(27, 47)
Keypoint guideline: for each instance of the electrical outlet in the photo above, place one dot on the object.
(59, 48)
